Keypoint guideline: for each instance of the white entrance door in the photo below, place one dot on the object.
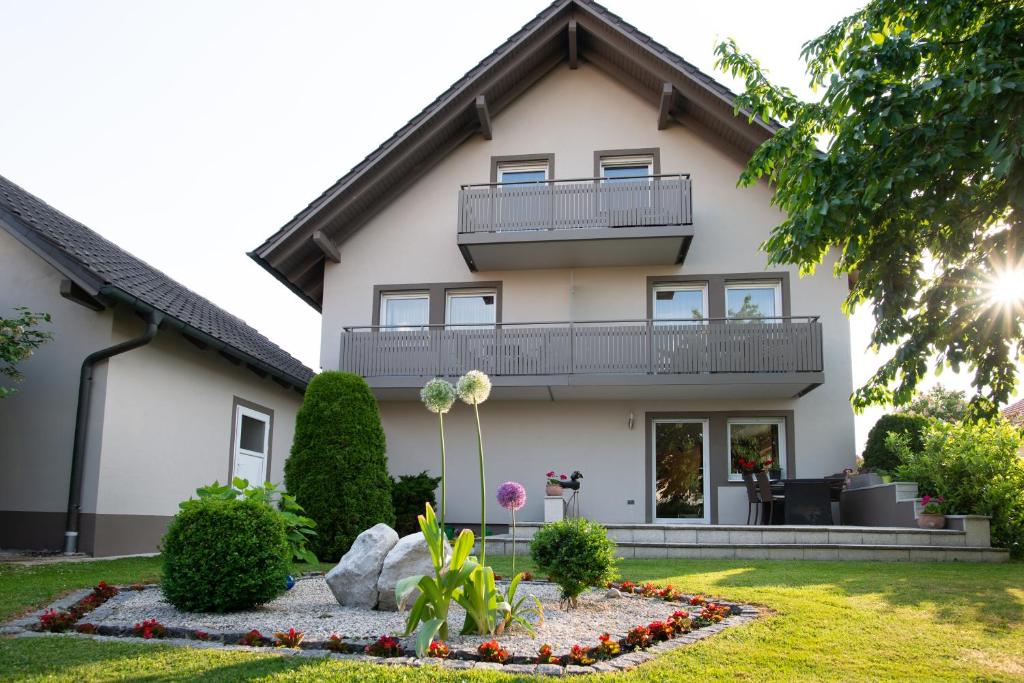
(252, 442)
(680, 490)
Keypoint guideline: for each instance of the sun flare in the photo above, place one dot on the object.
(1007, 287)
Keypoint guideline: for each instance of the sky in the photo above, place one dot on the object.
(188, 131)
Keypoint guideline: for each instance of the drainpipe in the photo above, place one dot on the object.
(84, 393)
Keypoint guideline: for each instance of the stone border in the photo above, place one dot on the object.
(463, 659)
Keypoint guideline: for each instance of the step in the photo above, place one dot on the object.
(774, 535)
(501, 545)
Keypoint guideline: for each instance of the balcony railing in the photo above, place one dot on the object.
(577, 203)
(625, 347)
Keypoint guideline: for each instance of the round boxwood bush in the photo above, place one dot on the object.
(224, 555)
(576, 554)
(338, 470)
(878, 455)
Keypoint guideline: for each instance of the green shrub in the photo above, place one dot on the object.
(877, 453)
(409, 494)
(338, 468)
(224, 555)
(576, 553)
(976, 468)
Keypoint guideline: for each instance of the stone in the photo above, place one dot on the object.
(354, 579)
(409, 557)
(613, 593)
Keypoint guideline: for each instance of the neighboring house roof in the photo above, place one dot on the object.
(565, 30)
(104, 270)
(1015, 412)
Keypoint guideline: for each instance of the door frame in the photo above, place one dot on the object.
(705, 468)
(239, 407)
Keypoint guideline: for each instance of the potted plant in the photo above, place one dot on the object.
(932, 515)
(554, 485)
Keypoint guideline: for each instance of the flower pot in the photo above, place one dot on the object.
(552, 490)
(927, 521)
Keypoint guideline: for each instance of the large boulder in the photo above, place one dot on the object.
(354, 580)
(409, 557)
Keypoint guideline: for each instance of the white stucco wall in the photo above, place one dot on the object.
(572, 113)
(168, 408)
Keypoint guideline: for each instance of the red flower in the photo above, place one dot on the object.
(562, 477)
(438, 649)
(491, 651)
(545, 655)
(550, 474)
(580, 655)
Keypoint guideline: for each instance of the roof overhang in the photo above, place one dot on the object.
(567, 31)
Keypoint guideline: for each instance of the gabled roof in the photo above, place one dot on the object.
(567, 30)
(1015, 412)
(102, 269)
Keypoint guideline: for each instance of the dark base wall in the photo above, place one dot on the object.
(99, 535)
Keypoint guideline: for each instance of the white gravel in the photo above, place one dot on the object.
(310, 607)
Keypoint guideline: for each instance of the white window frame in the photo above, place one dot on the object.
(614, 161)
(780, 421)
(680, 287)
(504, 167)
(459, 293)
(775, 285)
(706, 467)
(244, 411)
(385, 297)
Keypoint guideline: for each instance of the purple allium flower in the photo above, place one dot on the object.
(511, 496)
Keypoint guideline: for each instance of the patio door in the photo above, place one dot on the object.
(680, 490)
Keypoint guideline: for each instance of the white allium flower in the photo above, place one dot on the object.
(19, 330)
(7, 332)
(474, 387)
(438, 395)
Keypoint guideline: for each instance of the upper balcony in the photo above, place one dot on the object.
(762, 358)
(628, 221)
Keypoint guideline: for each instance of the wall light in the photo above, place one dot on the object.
(630, 420)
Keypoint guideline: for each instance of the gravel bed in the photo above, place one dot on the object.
(310, 607)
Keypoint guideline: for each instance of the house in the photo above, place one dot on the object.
(1014, 413)
(175, 392)
(565, 217)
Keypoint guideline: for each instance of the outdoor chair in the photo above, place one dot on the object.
(768, 499)
(753, 499)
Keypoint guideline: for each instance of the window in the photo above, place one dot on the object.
(471, 308)
(251, 446)
(675, 304)
(405, 311)
(759, 442)
(627, 169)
(522, 171)
(748, 300)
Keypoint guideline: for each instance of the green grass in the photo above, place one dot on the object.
(827, 621)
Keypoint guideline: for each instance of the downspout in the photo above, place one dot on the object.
(78, 450)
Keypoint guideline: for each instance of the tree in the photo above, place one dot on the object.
(920, 189)
(944, 404)
(338, 470)
(879, 454)
(18, 341)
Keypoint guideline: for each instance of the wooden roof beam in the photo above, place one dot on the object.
(484, 115)
(327, 246)
(573, 45)
(665, 106)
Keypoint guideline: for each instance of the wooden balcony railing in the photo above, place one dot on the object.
(634, 347)
(579, 203)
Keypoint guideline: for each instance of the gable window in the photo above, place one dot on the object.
(405, 311)
(627, 169)
(761, 441)
(250, 449)
(753, 300)
(471, 308)
(523, 171)
(679, 304)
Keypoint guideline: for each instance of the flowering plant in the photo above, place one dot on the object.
(555, 479)
(289, 638)
(932, 505)
(512, 497)
(104, 592)
(57, 621)
(545, 655)
(200, 635)
(697, 600)
(438, 649)
(385, 646)
(606, 648)
(473, 388)
(659, 630)
(253, 639)
(580, 655)
(492, 652)
(648, 590)
(149, 628)
(438, 396)
(680, 621)
(747, 456)
(335, 643)
(638, 637)
(627, 587)
(712, 614)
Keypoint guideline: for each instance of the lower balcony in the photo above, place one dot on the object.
(765, 358)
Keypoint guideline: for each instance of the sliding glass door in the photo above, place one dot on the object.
(680, 488)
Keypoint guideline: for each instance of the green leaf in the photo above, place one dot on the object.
(426, 636)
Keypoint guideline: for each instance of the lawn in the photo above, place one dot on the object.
(829, 621)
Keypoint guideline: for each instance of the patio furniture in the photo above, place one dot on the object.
(808, 502)
(753, 498)
(768, 498)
